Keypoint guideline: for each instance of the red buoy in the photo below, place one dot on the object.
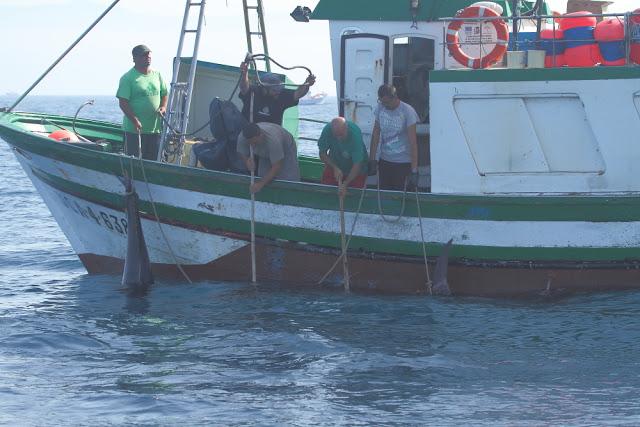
(582, 49)
(64, 135)
(453, 41)
(635, 37)
(553, 45)
(610, 36)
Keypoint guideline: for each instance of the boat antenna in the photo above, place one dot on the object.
(52, 66)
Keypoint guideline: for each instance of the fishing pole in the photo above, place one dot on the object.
(253, 202)
(345, 264)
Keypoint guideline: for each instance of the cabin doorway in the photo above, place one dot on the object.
(412, 60)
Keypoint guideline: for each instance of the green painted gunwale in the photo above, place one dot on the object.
(527, 207)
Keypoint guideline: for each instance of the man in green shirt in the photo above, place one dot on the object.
(344, 155)
(142, 95)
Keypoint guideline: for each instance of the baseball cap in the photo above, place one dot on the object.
(272, 81)
(140, 50)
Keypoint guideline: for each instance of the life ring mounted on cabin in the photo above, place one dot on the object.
(500, 48)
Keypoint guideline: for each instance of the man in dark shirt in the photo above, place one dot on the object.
(271, 100)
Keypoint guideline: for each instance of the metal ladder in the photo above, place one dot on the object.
(180, 93)
(261, 33)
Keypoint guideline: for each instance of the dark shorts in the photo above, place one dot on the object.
(392, 175)
(150, 143)
(329, 179)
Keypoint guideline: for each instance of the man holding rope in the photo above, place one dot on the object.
(270, 100)
(275, 149)
(344, 155)
(142, 94)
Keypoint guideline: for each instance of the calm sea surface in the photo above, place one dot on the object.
(76, 350)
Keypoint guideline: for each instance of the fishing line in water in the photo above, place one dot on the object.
(424, 245)
(343, 255)
(353, 226)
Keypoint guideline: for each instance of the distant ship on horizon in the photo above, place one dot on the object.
(315, 99)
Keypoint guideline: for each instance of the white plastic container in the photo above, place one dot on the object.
(517, 59)
(535, 58)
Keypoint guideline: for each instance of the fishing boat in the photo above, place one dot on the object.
(529, 178)
(313, 99)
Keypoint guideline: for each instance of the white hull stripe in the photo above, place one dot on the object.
(560, 234)
(107, 235)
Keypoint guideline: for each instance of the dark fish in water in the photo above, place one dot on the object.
(440, 285)
(137, 268)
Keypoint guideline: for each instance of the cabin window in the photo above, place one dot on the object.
(528, 134)
(413, 58)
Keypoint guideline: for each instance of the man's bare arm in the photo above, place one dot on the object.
(128, 111)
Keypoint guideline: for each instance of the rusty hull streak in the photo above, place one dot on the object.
(294, 266)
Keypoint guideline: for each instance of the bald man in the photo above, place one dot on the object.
(344, 155)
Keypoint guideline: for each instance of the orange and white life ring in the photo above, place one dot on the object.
(453, 42)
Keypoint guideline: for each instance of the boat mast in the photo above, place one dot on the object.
(262, 31)
(177, 118)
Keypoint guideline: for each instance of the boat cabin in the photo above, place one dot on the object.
(510, 128)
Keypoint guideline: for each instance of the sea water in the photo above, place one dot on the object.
(77, 350)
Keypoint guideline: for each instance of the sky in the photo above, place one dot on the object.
(36, 32)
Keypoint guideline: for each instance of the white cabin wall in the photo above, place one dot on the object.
(609, 109)
(612, 112)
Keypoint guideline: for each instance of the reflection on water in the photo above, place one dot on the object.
(137, 301)
(241, 353)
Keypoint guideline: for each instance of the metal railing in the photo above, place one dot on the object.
(304, 119)
(631, 34)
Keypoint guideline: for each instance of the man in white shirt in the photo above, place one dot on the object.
(395, 131)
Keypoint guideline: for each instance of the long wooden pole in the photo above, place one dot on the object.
(253, 201)
(345, 263)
